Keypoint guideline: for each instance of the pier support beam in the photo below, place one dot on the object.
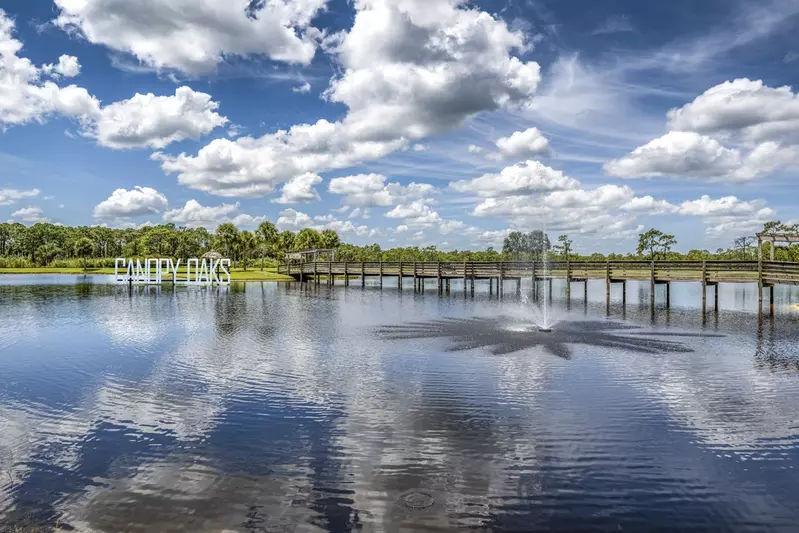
(501, 282)
(624, 294)
(399, 277)
(363, 276)
(519, 287)
(652, 287)
(346, 275)
(668, 295)
(716, 298)
(607, 286)
(704, 289)
(438, 279)
(491, 286)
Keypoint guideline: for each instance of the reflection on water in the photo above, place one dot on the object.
(262, 407)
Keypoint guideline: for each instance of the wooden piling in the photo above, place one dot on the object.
(381, 274)
(438, 277)
(771, 300)
(465, 268)
(346, 275)
(568, 283)
(399, 277)
(501, 282)
(363, 275)
(652, 286)
(607, 285)
(716, 298)
(490, 286)
(704, 288)
(668, 295)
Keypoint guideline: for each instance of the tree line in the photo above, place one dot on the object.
(45, 244)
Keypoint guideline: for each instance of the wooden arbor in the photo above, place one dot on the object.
(774, 238)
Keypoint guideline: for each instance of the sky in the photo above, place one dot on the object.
(404, 122)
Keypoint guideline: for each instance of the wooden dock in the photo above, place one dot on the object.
(709, 273)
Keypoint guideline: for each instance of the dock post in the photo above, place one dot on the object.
(568, 284)
(363, 275)
(438, 278)
(472, 280)
(501, 282)
(535, 284)
(490, 286)
(704, 288)
(668, 295)
(607, 285)
(331, 280)
(399, 277)
(519, 286)
(716, 298)
(624, 294)
(464, 278)
(415, 278)
(550, 289)
(315, 273)
(652, 287)
(346, 275)
(759, 277)
(381, 273)
(771, 300)
(585, 291)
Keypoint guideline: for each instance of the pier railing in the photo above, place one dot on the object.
(766, 272)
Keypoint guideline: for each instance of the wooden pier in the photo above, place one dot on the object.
(709, 273)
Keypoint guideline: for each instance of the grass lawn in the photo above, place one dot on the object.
(236, 274)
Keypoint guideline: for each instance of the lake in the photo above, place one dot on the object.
(266, 407)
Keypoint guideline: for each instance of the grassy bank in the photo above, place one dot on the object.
(237, 274)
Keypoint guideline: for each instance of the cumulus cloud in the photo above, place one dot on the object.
(744, 110)
(291, 219)
(9, 196)
(136, 202)
(149, 121)
(677, 154)
(416, 214)
(24, 96)
(524, 178)
(371, 190)
(32, 214)
(300, 190)
(408, 70)
(143, 121)
(195, 215)
(67, 67)
(194, 36)
(523, 144)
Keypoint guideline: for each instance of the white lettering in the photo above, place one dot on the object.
(156, 271)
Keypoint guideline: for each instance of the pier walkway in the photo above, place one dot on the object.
(498, 273)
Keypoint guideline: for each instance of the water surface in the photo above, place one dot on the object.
(266, 407)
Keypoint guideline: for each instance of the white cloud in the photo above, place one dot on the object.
(138, 201)
(416, 214)
(474, 149)
(744, 110)
(726, 206)
(521, 179)
(32, 214)
(9, 196)
(371, 190)
(300, 189)
(677, 154)
(409, 69)
(195, 215)
(649, 206)
(194, 36)
(149, 121)
(24, 97)
(305, 88)
(67, 66)
(523, 144)
(291, 219)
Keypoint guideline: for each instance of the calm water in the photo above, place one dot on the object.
(265, 407)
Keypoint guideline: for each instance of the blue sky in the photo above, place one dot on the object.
(408, 122)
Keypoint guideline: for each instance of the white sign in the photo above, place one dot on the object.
(157, 271)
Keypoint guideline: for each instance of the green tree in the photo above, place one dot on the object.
(565, 246)
(247, 243)
(84, 248)
(268, 237)
(226, 236)
(47, 252)
(329, 239)
(655, 243)
(307, 239)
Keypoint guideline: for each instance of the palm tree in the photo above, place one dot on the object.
(285, 242)
(247, 243)
(307, 239)
(329, 239)
(226, 237)
(84, 248)
(268, 234)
